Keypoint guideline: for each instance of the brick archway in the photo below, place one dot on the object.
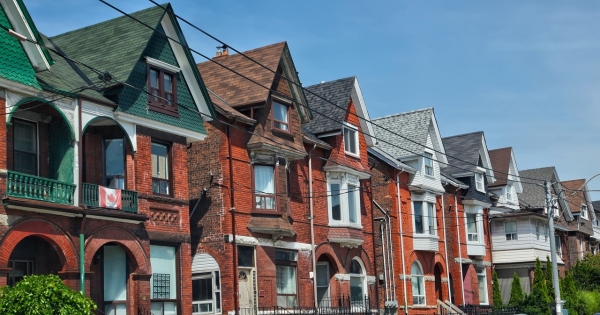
(45, 230)
(128, 241)
(333, 255)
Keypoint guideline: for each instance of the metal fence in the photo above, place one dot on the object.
(333, 306)
(474, 309)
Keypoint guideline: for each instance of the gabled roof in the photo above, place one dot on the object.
(239, 91)
(576, 194)
(390, 160)
(464, 152)
(338, 92)
(309, 137)
(447, 178)
(534, 195)
(503, 162)
(414, 125)
(225, 109)
(596, 205)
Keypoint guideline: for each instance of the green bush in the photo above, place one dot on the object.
(43, 295)
(591, 301)
(537, 303)
(497, 296)
(587, 273)
(516, 292)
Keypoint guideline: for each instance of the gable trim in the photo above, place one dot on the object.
(438, 140)
(363, 113)
(190, 136)
(162, 64)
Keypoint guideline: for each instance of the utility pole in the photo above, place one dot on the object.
(550, 212)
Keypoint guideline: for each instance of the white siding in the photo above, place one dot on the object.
(204, 263)
(427, 181)
(426, 242)
(499, 237)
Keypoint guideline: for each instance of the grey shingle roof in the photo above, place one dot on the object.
(461, 148)
(596, 205)
(413, 125)
(535, 195)
(338, 92)
(312, 138)
(390, 159)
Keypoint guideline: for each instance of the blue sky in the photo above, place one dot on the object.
(527, 73)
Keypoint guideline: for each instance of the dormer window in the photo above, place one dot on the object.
(428, 162)
(281, 118)
(509, 192)
(479, 184)
(162, 87)
(351, 139)
(584, 212)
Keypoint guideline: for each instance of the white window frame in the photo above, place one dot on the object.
(584, 212)
(581, 247)
(558, 245)
(353, 132)
(214, 275)
(327, 297)
(421, 284)
(537, 230)
(514, 236)
(344, 180)
(482, 273)
(479, 182)
(362, 278)
(426, 218)
(478, 212)
(472, 237)
(509, 193)
(428, 159)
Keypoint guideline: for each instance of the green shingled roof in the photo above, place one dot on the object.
(118, 46)
(14, 64)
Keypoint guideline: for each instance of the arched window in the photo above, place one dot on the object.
(418, 284)
(357, 280)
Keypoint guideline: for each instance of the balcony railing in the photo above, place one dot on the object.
(90, 198)
(22, 185)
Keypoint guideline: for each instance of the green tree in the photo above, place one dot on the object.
(496, 295)
(569, 293)
(43, 295)
(537, 303)
(586, 273)
(516, 292)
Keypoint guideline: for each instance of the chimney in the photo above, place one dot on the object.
(222, 51)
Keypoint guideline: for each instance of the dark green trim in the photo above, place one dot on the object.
(192, 63)
(127, 135)
(38, 38)
(296, 78)
(29, 99)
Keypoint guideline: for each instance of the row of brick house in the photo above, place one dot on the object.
(169, 187)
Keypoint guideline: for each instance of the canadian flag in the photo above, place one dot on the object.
(109, 198)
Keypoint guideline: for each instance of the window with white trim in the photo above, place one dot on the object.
(351, 139)
(584, 212)
(428, 162)
(510, 230)
(472, 230)
(482, 285)
(357, 281)
(509, 192)
(558, 245)
(424, 217)
(206, 293)
(479, 183)
(537, 230)
(581, 252)
(264, 187)
(343, 198)
(418, 283)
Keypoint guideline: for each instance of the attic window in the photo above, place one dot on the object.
(351, 139)
(281, 116)
(162, 87)
(479, 184)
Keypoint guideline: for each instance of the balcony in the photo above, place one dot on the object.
(90, 197)
(27, 186)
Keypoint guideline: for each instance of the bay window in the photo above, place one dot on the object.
(264, 187)
(472, 233)
(286, 263)
(343, 197)
(425, 223)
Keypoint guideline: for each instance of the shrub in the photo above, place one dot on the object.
(516, 292)
(591, 301)
(538, 301)
(496, 295)
(43, 295)
(586, 273)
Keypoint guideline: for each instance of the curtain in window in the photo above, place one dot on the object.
(280, 112)
(286, 286)
(352, 203)
(264, 181)
(482, 284)
(418, 209)
(472, 227)
(417, 284)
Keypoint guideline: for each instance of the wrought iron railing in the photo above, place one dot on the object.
(327, 306)
(22, 185)
(476, 309)
(90, 197)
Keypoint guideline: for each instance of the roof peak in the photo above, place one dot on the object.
(404, 113)
(505, 148)
(109, 21)
(249, 51)
(333, 81)
(464, 134)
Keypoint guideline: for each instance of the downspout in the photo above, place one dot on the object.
(312, 227)
(446, 246)
(388, 271)
(391, 257)
(232, 209)
(401, 242)
(385, 266)
(78, 196)
(462, 281)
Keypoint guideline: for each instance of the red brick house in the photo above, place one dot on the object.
(93, 176)
(253, 217)
(417, 196)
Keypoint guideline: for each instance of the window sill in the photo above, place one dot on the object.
(163, 109)
(267, 212)
(345, 225)
(423, 235)
(282, 132)
(351, 154)
(429, 176)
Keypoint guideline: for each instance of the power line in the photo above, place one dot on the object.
(300, 103)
